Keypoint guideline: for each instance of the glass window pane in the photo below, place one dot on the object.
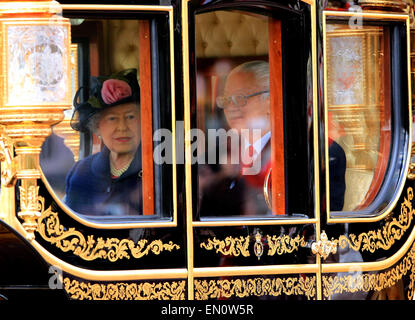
(245, 151)
(99, 160)
(233, 93)
(359, 113)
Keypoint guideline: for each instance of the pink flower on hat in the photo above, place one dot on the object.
(114, 90)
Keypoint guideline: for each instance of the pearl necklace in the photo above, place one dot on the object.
(118, 172)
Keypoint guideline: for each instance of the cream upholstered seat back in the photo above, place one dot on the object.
(229, 34)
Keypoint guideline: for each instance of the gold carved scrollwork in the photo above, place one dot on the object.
(284, 244)
(30, 208)
(30, 200)
(88, 248)
(8, 167)
(235, 246)
(125, 291)
(243, 288)
(383, 238)
(372, 281)
(229, 246)
(411, 169)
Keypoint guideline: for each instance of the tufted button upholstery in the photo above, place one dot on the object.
(122, 44)
(224, 34)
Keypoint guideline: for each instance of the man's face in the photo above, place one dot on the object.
(255, 114)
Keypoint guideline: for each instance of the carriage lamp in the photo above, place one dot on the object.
(34, 92)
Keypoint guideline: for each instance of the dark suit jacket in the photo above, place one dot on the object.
(90, 189)
(237, 195)
(337, 168)
(56, 160)
(244, 195)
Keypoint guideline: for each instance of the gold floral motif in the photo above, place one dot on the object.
(243, 288)
(284, 244)
(236, 246)
(89, 248)
(125, 291)
(324, 247)
(31, 205)
(229, 246)
(29, 199)
(372, 281)
(382, 238)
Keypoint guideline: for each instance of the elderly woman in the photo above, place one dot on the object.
(109, 182)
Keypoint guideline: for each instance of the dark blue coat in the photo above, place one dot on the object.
(90, 190)
(337, 167)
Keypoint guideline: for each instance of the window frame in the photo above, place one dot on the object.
(190, 95)
(141, 221)
(400, 141)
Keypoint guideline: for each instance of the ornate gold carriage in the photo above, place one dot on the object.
(340, 74)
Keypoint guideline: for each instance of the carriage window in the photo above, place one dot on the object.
(360, 93)
(99, 159)
(246, 152)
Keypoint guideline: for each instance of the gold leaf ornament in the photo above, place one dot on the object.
(240, 246)
(229, 246)
(80, 290)
(90, 248)
(352, 283)
(383, 238)
(244, 288)
(284, 244)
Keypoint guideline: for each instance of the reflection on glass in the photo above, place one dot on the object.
(109, 182)
(36, 64)
(233, 93)
(359, 126)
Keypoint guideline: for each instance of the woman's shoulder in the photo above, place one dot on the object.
(83, 167)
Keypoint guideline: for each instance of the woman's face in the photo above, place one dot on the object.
(119, 128)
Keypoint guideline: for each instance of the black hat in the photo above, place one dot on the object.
(105, 92)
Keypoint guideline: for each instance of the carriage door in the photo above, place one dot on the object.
(251, 150)
(131, 250)
(368, 205)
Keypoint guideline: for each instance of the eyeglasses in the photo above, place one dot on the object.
(239, 100)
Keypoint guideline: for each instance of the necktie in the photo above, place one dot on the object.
(249, 156)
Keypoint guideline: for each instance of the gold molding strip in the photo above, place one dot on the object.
(316, 124)
(88, 248)
(254, 222)
(187, 155)
(382, 238)
(366, 14)
(112, 7)
(80, 290)
(373, 281)
(309, 2)
(255, 270)
(245, 288)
